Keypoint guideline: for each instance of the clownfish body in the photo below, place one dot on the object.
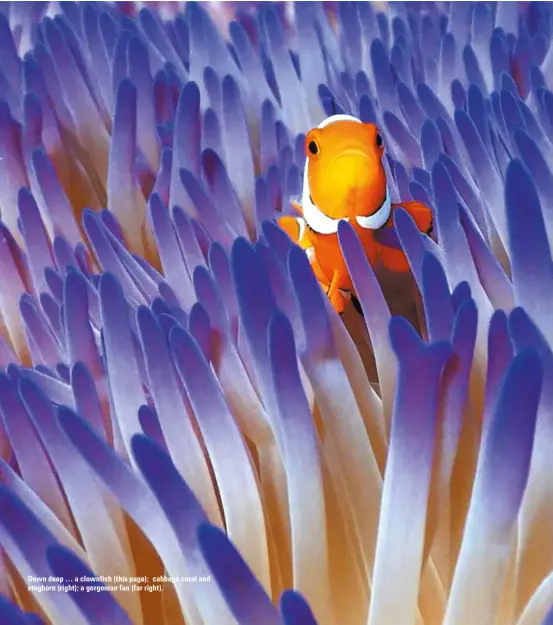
(344, 178)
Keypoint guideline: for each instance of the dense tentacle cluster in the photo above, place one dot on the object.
(178, 400)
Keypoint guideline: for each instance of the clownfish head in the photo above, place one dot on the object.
(344, 177)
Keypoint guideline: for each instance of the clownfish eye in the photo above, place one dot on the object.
(313, 147)
(378, 139)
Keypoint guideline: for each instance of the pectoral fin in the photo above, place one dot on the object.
(421, 214)
(293, 227)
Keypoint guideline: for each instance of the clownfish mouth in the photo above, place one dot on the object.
(323, 224)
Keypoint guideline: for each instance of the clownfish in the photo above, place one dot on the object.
(344, 178)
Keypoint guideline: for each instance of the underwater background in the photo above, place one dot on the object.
(189, 434)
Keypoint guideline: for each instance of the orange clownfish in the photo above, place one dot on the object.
(344, 178)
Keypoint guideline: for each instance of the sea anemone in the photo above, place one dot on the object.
(189, 434)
